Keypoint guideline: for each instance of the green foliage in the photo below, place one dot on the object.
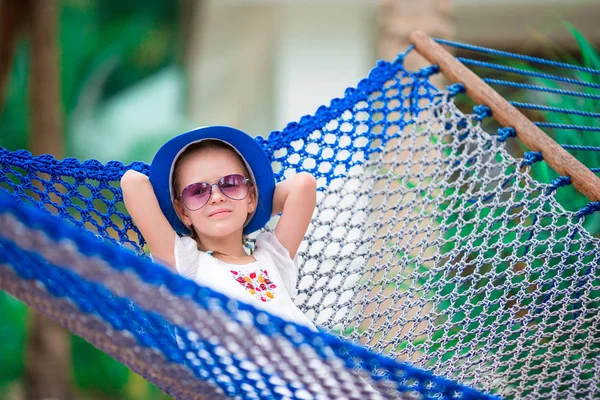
(95, 371)
(105, 47)
(550, 270)
(12, 332)
(567, 196)
(14, 122)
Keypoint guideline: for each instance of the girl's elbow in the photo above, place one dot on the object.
(305, 182)
(131, 177)
(127, 177)
(132, 182)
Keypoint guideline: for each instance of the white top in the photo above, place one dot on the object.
(269, 283)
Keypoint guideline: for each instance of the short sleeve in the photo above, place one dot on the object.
(267, 245)
(187, 256)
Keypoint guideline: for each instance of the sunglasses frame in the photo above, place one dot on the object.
(247, 181)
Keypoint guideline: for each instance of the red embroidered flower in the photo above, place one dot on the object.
(256, 283)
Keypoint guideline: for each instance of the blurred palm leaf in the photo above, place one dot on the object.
(567, 196)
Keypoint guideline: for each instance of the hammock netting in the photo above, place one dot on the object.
(435, 266)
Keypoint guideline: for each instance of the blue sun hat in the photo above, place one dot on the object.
(257, 163)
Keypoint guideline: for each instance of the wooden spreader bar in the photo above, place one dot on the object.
(533, 137)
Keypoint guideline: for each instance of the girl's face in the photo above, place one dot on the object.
(220, 216)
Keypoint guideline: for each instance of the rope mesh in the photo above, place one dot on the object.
(448, 255)
(430, 243)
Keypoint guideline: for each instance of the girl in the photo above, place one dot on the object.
(207, 189)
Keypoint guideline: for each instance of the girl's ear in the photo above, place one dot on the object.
(179, 209)
(252, 202)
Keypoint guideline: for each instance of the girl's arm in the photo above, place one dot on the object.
(142, 205)
(295, 198)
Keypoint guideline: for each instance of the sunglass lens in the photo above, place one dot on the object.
(234, 186)
(196, 195)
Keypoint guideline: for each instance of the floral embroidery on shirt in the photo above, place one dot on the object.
(257, 283)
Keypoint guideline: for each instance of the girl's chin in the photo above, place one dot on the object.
(219, 229)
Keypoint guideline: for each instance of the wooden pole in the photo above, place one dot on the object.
(533, 137)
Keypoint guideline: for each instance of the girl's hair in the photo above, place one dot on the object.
(205, 145)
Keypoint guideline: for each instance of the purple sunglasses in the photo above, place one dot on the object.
(195, 195)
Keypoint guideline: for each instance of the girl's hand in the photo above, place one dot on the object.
(142, 205)
(295, 198)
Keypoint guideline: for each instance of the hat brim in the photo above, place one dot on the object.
(251, 152)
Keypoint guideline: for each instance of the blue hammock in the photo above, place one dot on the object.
(435, 266)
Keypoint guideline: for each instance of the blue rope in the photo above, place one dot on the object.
(554, 109)
(518, 56)
(399, 60)
(540, 88)
(456, 88)
(580, 285)
(531, 157)
(588, 209)
(527, 244)
(580, 148)
(378, 76)
(72, 167)
(426, 72)
(482, 111)
(564, 181)
(524, 72)
(558, 182)
(121, 260)
(567, 126)
(505, 133)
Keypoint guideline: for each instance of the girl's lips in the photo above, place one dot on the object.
(219, 212)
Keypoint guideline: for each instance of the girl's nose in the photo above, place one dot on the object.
(217, 196)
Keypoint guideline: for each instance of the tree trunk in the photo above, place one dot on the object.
(191, 12)
(192, 17)
(48, 358)
(45, 93)
(12, 18)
